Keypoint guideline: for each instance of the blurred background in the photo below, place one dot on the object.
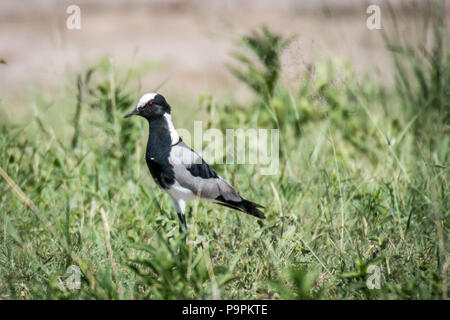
(186, 42)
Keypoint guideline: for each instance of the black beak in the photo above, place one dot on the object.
(132, 113)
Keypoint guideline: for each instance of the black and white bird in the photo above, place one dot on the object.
(179, 170)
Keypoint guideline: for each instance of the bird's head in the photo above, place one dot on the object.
(150, 105)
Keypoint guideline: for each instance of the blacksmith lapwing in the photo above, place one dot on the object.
(179, 170)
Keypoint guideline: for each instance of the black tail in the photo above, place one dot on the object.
(244, 206)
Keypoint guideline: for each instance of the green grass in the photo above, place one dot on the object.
(359, 184)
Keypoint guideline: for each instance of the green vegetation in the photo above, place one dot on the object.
(363, 181)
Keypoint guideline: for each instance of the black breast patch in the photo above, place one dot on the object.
(158, 151)
(161, 172)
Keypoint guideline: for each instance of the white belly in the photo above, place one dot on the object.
(180, 195)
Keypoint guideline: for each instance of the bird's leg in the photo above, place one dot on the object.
(182, 218)
(180, 206)
(183, 226)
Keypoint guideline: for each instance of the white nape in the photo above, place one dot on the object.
(173, 132)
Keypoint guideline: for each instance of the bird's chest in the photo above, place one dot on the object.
(157, 158)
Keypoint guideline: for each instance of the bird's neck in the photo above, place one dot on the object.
(162, 131)
(172, 131)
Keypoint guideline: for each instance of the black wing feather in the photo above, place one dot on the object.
(246, 206)
(202, 170)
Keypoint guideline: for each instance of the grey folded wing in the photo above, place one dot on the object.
(193, 173)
